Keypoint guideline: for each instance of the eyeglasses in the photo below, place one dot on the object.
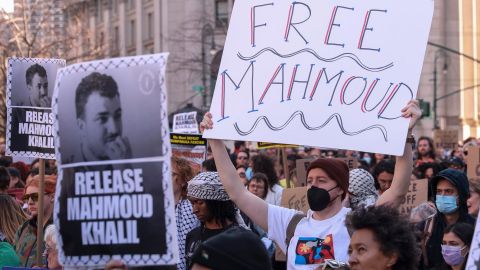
(33, 196)
(242, 157)
(242, 175)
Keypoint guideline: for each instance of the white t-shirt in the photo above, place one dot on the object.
(313, 240)
(274, 197)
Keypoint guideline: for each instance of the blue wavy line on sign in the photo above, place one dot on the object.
(351, 56)
(335, 116)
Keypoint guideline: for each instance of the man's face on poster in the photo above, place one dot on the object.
(101, 125)
(38, 89)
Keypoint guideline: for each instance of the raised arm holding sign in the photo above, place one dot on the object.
(327, 182)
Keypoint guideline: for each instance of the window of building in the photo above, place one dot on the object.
(115, 7)
(132, 33)
(221, 13)
(149, 25)
(116, 38)
(101, 40)
(131, 4)
(100, 10)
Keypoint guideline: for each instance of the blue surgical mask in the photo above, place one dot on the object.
(446, 204)
(249, 173)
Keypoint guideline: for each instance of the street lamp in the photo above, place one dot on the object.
(438, 54)
(207, 30)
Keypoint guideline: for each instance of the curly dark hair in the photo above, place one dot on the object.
(386, 165)
(264, 164)
(392, 232)
(95, 82)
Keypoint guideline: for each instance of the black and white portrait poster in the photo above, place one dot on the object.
(114, 199)
(30, 83)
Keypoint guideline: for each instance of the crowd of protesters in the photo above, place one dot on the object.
(229, 215)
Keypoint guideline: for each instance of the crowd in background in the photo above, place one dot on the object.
(437, 235)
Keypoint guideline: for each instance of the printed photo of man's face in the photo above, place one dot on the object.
(101, 124)
(37, 85)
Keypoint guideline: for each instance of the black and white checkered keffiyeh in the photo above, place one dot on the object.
(362, 189)
(207, 186)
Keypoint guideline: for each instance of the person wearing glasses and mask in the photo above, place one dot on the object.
(26, 236)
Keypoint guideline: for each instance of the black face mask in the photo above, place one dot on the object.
(319, 198)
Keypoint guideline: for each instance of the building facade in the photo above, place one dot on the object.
(192, 31)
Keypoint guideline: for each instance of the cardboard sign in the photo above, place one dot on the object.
(191, 147)
(295, 198)
(114, 194)
(266, 145)
(416, 195)
(473, 162)
(302, 166)
(473, 262)
(321, 73)
(185, 123)
(29, 113)
(447, 139)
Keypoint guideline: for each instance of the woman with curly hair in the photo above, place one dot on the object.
(264, 164)
(381, 239)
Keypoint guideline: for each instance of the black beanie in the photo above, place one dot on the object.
(234, 249)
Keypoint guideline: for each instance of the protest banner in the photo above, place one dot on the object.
(416, 195)
(473, 262)
(302, 166)
(114, 194)
(191, 147)
(185, 123)
(473, 162)
(295, 198)
(447, 139)
(30, 85)
(266, 145)
(321, 74)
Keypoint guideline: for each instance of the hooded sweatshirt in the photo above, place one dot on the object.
(433, 246)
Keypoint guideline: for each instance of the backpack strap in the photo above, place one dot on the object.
(292, 225)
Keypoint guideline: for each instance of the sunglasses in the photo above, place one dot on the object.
(33, 196)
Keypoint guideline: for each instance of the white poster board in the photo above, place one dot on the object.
(185, 123)
(321, 73)
(114, 195)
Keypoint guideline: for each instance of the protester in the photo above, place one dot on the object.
(4, 180)
(212, 206)
(11, 217)
(383, 175)
(456, 242)
(264, 164)
(209, 165)
(451, 191)
(15, 178)
(425, 151)
(51, 248)
(473, 201)
(234, 249)
(8, 257)
(258, 185)
(26, 236)
(241, 170)
(327, 180)
(242, 158)
(456, 163)
(361, 189)
(186, 220)
(381, 239)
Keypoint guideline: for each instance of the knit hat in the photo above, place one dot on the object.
(336, 169)
(234, 249)
(362, 189)
(207, 186)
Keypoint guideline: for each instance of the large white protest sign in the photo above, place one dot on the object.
(321, 73)
(114, 196)
(30, 86)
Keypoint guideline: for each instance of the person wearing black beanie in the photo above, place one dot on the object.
(234, 249)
